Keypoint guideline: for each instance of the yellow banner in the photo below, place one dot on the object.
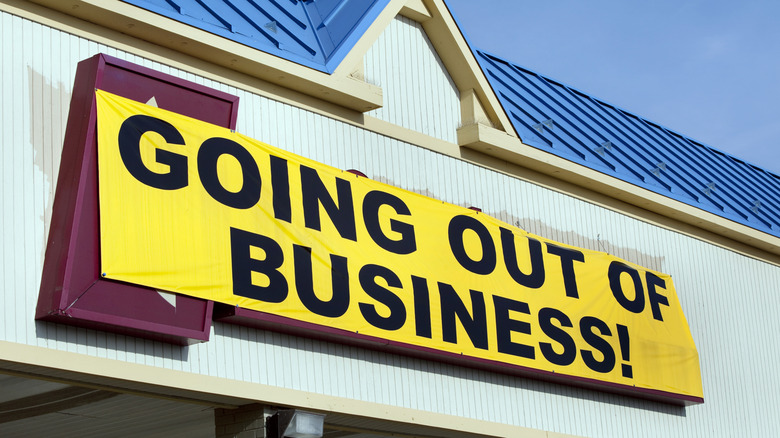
(196, 209)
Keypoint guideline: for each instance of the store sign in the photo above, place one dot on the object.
(72, 291)
(200, 210)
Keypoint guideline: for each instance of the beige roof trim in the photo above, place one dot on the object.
(342, 88)
(447, 39)
(81, 369)
(416, 10)
(495, 143)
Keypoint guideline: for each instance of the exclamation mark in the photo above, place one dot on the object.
(625, 350)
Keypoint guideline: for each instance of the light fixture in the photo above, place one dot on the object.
(293, 423)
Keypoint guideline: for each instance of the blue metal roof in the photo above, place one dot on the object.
(566, 122)
(314, 33)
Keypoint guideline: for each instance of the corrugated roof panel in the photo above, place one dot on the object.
(314, 33)
(566, 122)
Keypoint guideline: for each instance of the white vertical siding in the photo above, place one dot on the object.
(418, 92)
(730, 300)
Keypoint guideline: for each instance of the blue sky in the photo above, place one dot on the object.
(709, 70)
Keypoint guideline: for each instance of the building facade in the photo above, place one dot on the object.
(393, 90)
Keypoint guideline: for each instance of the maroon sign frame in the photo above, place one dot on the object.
(72, 290)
